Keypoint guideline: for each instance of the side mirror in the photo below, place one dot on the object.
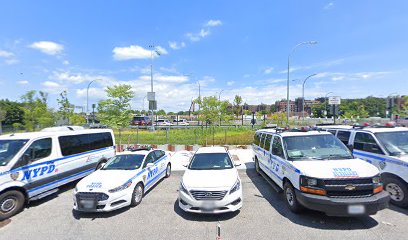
(150, 165)
(237, 164)
(350, 147)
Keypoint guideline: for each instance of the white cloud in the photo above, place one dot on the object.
(9, 57)
(175, 45)
(23, 82)
(65, 62)
(94, 93)
(328, 6)
(230, 83)
(48, 47)
(52, 87)
(135, 52)
(213, 23)
(6, 54)
(77, 78)
(338, 76)
(166, 78)
(195, 37)
(268, 70)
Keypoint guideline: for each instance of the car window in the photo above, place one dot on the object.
(124, 162)
(262, 142)
(277, 148)
(9, 148)
(210, 161)
(39, 149)
(151, 158)
(158, 154)
(366, 142)
(268, 141)
(332, 132)
(344, 136)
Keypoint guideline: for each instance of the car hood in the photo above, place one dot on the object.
(336, 168)
(105, 179)
(210, 178)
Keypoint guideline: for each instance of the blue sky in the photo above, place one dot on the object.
(240, 47)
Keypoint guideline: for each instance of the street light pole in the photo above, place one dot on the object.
(287, 87)
(303, 96)
(87, 100)
(151, 78)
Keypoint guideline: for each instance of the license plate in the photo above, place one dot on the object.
(87, 203)
(208, 205)
(356, 209)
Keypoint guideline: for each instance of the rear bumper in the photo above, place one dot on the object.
(341, 206)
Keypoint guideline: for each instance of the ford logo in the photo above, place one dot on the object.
(350, 187)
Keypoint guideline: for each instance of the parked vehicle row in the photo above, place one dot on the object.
(146, 121)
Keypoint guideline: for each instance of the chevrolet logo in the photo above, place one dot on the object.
(350, 187)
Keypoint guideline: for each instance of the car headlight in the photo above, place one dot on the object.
(308, 181)
(183, 188)
(236, 187)
(376, 179)
(121, 187)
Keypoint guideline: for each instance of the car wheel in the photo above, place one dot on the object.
(168, 171)
(137, 195)
(398, 191)
(290, 197)
(258, 170)
(11, 202)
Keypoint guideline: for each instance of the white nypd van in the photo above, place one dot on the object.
(386, 147)
(122, 181)
(33, 165)
(317, 171)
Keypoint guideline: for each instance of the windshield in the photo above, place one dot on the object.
(316, 147)
(124, 162)
(396, 143)
(9, 148)
(210, 161)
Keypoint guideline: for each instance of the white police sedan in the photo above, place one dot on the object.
(122, 181)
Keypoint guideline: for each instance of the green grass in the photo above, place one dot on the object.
(201, 136)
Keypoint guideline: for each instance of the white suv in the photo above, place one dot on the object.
(211, 183)
(317, 171)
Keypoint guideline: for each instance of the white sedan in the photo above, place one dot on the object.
(211, 183)
(122, 181)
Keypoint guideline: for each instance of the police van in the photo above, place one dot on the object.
(33, 165)
(386, 147)
(315, 170)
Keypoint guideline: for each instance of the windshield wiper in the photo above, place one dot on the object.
(332, 156)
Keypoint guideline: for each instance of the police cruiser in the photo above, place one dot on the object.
(315, 170)
(211, 183)
(33, 165)
(122, 181)
(386, 147)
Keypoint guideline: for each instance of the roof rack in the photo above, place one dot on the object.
(140, 148)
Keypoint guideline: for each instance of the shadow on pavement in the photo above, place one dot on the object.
(307, 218)
(203, 217)
(398, 209)
(62, 189)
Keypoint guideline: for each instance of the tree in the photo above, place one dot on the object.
(2, 118)
(237, 105)
(213, 110)
(115, 111)
(279, 118)
(65, 111)
(161, 112)
(77, 119)
(36, 111)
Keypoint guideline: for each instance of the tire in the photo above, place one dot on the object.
(11, 202)
(257, 168)
(100, 165)
(168, 171)
(290, 198)
(137, 195)
(398, 191)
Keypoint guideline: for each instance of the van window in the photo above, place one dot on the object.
(257, 139)
(277, 148)
(39, 149)
(268, 141)
(262, 145)
(332, 132)
(75, 144)
(344, 136)
(366, 142)
(9, 148)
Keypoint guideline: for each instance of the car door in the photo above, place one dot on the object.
(37, 166)
(160, 161)
(277, 158)
(152, 172)
(344, 136)
(366, 147)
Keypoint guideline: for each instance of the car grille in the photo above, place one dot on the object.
(92, 195)
(349, 188)
(208, 195)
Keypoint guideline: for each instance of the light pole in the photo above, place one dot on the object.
(287, 88)
(303, 96)
(325, 103)
(219, 95)
(87, 99)
(391, 95)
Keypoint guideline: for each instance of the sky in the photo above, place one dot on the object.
(228, 47)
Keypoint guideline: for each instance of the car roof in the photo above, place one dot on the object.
(383, 129)
(31, 135)
(335, 127)
(293, 133)
(211, 150)
(139, 152)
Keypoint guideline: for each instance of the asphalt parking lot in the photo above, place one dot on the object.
(263, 216)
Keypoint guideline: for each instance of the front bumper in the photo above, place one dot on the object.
(230, 203)
(115, 201)
(341, 206)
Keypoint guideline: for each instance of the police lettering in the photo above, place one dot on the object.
(36, 172)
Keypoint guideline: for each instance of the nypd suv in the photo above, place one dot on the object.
(386, 147)
(33, 165)
(317, 171)
(122, 181)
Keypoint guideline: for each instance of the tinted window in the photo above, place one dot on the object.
(84, 142)
(39, 149)
(158, 154)
(151, 158)
(124, 162)
(332, 132)
(257, 139)
(210, 161)
(9, 148)
(366, 142)
(277, 149)
(262, 143)
(268, 140)
(344, 136)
